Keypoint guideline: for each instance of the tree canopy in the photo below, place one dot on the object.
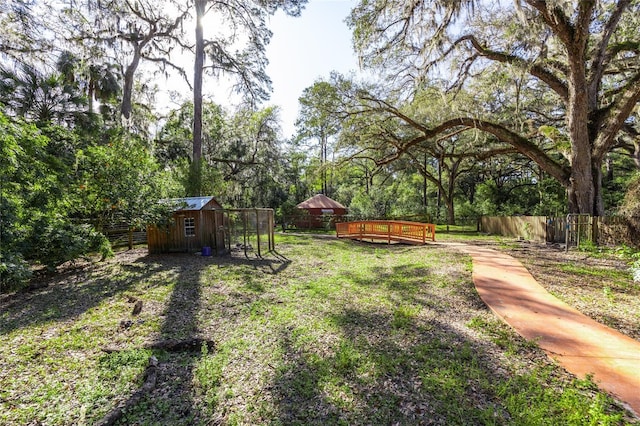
(582, 57)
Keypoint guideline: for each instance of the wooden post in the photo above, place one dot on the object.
(201, 229)
(258, 231)
(272, 235)
(244, 231)
(215, 232)
(229, 226)
(566, 235)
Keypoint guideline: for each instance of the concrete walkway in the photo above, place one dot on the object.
(581, 345)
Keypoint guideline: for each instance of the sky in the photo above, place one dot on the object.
(302, 50)
(307, 48)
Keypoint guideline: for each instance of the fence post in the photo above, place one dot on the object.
(272, 235)
(566, 234)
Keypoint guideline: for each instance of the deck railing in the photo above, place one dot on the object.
(387, 230)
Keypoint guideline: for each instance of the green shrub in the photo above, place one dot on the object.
(14, 272)
(59, 241)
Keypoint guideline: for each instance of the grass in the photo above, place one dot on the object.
(322, 332)
(619, 276)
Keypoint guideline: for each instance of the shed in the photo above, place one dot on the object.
(318, 207)
(196, 223)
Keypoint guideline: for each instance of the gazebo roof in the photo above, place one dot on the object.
(320, 201)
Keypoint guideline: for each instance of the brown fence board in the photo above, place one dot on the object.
(526, 227)
(602, 230)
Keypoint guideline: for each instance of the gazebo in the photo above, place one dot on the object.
(317, 210)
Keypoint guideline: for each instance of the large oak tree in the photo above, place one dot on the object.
(586, 54)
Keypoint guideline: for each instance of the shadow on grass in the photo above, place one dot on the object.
(415, 361)
(172, 399)
(402, 361)
(68, 295)
(380, 374)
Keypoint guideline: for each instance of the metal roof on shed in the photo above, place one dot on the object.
(188, 203)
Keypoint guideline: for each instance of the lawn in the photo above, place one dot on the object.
(321, 332)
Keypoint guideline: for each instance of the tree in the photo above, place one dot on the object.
(36, 191)
(586, 54)
(29, 93)
(250, 157)
(140, 30)
(22, 38)
(97, 82)
(117, 183)
(173, 147)
(241, 151)
(317, 121)
(241, 23)
(377, 131)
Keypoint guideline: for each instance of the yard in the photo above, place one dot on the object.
(324, 331)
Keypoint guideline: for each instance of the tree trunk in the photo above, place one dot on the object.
(127, 92)
(90, 95)
(439, 199)
(581, 190)
(198, 70)
(323, 162)
(609, 167)
(453, 174)
(451, 217)
(425, 188)
(636, 153)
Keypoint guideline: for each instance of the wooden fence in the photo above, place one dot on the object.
(122, 235)
(524, 227)
(574, 228)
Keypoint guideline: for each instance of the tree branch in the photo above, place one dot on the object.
(521, 144)
(598, 62)
(556, 84)
(614, 117)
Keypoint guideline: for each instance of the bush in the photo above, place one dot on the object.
(14, 272)
(58, 241)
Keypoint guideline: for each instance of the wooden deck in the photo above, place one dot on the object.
(387, 230)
